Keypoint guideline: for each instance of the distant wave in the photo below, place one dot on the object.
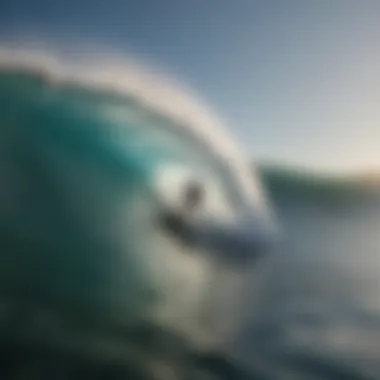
(289, 183)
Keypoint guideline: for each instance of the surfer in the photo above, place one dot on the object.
(176, 220)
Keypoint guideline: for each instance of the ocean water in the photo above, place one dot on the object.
(312, 307)
(315, 312)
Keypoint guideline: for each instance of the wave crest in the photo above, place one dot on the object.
(152, 90)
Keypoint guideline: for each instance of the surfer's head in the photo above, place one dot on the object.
(87, 171)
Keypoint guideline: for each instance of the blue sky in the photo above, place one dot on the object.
(297, 81)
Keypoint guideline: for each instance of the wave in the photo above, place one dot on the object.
(75, 114)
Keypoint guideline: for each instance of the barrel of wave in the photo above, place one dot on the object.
(95, 184)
